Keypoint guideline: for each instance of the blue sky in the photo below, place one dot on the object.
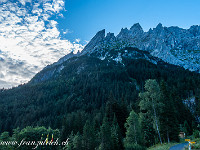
(35, 33)
(85, 17)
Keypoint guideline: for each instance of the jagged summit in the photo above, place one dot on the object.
(159, 26)
(136, 28)
(123, 32)
(172, 44)
(100, 36)
(110, 37)
(195, 30)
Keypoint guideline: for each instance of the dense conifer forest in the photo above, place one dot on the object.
(102, 104)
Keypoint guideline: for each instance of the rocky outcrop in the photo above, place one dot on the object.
(110, 37)
(99, 37)
(172, 44)
(66, 57)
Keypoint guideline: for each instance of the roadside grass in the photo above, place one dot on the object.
(164, 146)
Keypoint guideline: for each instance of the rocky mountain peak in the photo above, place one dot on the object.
(101, 33)
(136, 28)
(174, 45)
(159, 26)
(195, 30)
(99, 37)
(150, 31)
(123, 33)
(110, 37)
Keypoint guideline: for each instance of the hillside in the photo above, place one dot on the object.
(100, 87)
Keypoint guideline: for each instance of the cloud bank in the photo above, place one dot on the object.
(30, 39)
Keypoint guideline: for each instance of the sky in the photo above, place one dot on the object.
(35, 33)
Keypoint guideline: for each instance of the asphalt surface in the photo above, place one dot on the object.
(179, 146)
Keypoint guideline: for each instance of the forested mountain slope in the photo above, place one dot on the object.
(97, 90)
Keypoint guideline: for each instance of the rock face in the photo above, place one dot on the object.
(100, 36)
(172, 44)
(66, 57)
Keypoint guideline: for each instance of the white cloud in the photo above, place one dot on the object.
(77, 40)
(3, 1)
(23, 2)
(29, 41)
(58, 5)
(67, 31)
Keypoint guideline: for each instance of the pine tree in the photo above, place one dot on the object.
(116, 136)
(186, 128)
(117, 109)
(89, 136)
(168, 117)
(77, 141)
(70, 145)
(150, 104)
(105, 135)
(148, 131)
(133, 139)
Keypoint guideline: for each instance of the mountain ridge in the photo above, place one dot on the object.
(109, 46)
(173, 45)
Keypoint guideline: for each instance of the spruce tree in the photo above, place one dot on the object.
(168, 117)
(77, 141)
(105, 135)
(151, 105)
(133, 139)
(148, 131)
(186, 128)
(89, 136)
(70, 145)
(116, 135)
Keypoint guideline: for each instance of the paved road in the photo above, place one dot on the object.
(179, 146)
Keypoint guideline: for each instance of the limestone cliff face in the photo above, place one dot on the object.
(163, 38)
(97, 39)
(172, 44)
